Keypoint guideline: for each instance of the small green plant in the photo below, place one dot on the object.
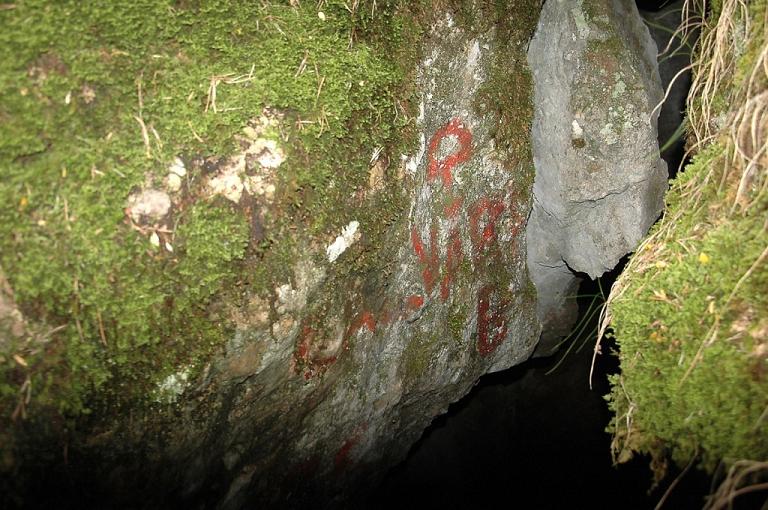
(587, 326)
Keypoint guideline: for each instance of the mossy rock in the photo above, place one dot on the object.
(180, 179)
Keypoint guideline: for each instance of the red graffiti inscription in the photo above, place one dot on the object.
(454, 257)
(431, 264)
(310, 354)
(364, 319)
(315, 355)
(415, 302)
(491, 320)
(491, 210)
(483, 216)
(452, 210)
(444, 167)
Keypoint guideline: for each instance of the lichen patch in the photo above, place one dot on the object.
(252, 170)
(169, 390)
(228, 182)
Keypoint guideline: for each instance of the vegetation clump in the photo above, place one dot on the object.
(690, 313)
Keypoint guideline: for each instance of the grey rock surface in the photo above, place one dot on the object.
(599, 178)
(329, 385)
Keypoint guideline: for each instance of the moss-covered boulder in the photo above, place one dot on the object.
(250, 251)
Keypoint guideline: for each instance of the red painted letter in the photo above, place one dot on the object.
(491, 323)
(444, 167)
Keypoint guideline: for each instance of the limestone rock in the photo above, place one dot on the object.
(599, 179)
(350, 368)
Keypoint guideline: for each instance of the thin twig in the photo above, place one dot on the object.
(676, 481)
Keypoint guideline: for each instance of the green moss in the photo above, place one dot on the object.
(72, 97)
(507, 95)
(418, 357)
(457, 319)
(692, 323)
(690, 334)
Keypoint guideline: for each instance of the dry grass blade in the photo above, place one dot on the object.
(144, 136)
(674, 483)
(744, 477)
(226, 79)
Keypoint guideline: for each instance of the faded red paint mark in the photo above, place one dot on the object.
(312, 355)
(491, 210)
(491, 320)
(368, 321)
(455, 254)
(364, 319)
(444, 167)
(418, 246)
(453, 208)
(341, 460)
(414, 302)
(429, 260)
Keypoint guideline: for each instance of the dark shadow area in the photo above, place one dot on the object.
(523, 435)
(663, 19)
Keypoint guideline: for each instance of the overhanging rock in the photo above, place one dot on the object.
(343, 377)
(599, 178)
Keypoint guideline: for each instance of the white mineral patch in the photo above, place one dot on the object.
(473, 54)
(286, 295)
(228, 183)
(174, 182)
(149, 204)
(177, 167)
(576, 131)
(169, 390)
(413, 163)
(259, 185)
(267, 152)
(348, 236)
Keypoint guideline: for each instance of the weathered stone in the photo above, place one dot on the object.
(599, 179)
(331, 378)
(149, 206)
